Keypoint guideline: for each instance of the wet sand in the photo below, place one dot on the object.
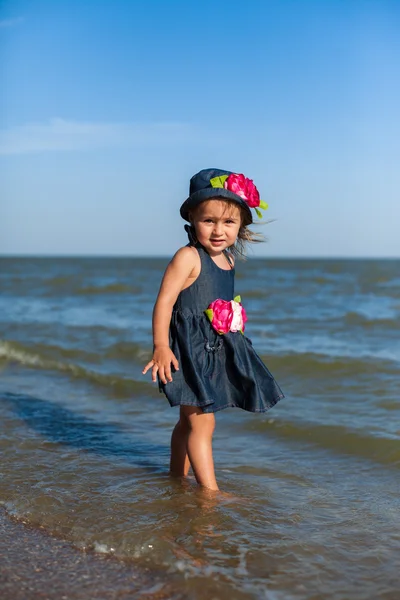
(34, 565)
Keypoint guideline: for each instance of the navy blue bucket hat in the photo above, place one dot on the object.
(218, 183)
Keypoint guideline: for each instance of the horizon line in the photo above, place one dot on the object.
(163, 256)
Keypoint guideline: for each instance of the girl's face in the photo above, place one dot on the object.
(217, 225)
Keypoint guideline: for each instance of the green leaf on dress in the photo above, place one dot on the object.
(210, 313)
(218, 182)
(237, 299)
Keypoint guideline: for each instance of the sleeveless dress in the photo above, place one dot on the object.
(215, 371)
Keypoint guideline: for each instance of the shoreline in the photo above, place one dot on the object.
(34, 565)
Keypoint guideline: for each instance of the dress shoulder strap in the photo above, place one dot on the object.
(229, 259)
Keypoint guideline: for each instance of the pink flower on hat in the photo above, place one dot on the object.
(227, 315)
(243, 187)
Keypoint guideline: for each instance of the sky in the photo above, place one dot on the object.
(107, 108)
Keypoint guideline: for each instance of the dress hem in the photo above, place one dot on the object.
(230, 405)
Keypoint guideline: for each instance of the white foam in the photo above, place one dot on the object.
(103, 548)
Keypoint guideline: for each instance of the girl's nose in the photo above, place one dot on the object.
(218, 229)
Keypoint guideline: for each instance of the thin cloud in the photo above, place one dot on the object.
(10, 22)
(63, 135)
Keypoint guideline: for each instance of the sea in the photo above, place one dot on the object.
(311, 502)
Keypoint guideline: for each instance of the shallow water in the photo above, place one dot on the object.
(84, 436)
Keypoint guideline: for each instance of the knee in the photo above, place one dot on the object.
(194, 420)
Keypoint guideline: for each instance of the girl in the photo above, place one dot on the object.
(202, 360)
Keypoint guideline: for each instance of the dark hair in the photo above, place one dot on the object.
(245, 235)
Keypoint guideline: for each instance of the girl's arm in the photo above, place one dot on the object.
(176, 275)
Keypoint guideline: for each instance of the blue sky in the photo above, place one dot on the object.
(110, 107)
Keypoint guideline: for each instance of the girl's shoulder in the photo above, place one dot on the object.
(187, 257)
(187, 253)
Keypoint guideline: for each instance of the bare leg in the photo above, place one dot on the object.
(199, 445)
(179, 464)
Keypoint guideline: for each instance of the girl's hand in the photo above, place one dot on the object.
(161, 364)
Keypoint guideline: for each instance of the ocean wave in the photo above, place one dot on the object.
(256, 293)
(316, 365)
(335, 438)
(358, 319)
(92, 290)
(10, 349)
(62, 280)
(37, 359)
(112, 288)
(127, 351)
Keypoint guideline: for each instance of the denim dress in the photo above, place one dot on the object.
(215, 371)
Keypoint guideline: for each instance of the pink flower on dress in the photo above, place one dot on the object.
(222, 315)
(243, 187)
(239, 317)
(227, 315)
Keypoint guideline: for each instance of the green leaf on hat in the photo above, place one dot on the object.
(210, 313)
(259, 213)
(218, 182)
(237, 299)
(263, 205)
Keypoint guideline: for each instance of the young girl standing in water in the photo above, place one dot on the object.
(202, 359)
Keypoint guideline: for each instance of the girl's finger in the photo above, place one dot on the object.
(168, 373)
(154, 371)
(175, 363)
(148, 366)
(161, 374)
